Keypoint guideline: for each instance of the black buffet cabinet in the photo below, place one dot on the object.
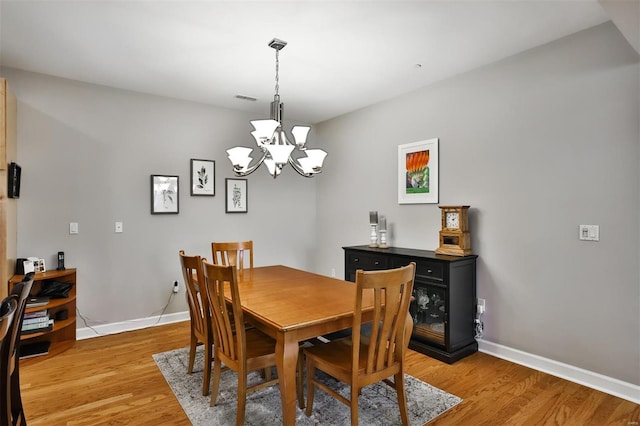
(444, 291)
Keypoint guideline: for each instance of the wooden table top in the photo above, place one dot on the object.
(286, 299)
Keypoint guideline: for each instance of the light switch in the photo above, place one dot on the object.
(118, 227)
(589, 232)
(73, 228)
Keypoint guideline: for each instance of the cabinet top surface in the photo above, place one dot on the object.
(399, 251)
(45, 275)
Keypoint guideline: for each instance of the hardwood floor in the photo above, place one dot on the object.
(113, 380)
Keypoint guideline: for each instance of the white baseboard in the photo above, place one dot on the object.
(136, 324)
(597, 381)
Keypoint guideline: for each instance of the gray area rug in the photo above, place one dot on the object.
(378, 403)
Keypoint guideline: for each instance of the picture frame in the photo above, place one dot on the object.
(236, 195)
(418, 172)
(203, 177)
(165, 196)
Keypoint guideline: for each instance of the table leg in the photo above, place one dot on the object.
(287, 360)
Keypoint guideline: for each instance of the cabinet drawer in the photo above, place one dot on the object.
(368, 262)
(424, 268)
(433, 270)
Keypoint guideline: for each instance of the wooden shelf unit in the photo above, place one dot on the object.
(63, 334)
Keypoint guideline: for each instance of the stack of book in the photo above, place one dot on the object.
(37, 321)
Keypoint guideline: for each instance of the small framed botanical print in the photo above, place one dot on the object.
(164, 194)
(236, 195)
(203, 177)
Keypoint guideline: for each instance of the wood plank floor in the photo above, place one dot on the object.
(113, 380)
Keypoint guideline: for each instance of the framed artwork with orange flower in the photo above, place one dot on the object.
(418, 172)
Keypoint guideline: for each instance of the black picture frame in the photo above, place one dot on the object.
(236, 195)
(165, 194)
(13, 181)
(203, 177)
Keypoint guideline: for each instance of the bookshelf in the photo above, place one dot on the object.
(63, 333)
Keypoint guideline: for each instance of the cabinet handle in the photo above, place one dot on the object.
(356, 260)
(377, 262)
(429, 271)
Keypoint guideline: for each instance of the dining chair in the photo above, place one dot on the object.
(10, 355)
(360, 360)
(199, 313)
(7, 315)
(233, 253)
(242, 350)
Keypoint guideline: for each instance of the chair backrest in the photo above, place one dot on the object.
(7, 317)
(392, 291)
(228, 323)
(195, 293)
(232, 254)
(21, 293)
(7, 311)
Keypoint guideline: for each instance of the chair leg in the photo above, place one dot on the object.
(398, 380)
(355, 391)
(299, 376)
(216, 379)
(267, 373)
(192, 353)
(207, 369)
(311, 373)
(242, 397)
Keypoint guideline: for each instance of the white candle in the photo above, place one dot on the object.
(383, 223)
(373, 218)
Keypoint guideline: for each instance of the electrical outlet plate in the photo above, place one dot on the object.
(480, 306)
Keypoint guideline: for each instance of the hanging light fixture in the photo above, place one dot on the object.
(276, 146)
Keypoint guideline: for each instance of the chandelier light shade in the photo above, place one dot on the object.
(276, 148)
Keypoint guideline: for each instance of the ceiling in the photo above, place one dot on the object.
(341, 55)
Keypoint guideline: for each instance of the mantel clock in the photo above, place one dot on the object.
(455, 238)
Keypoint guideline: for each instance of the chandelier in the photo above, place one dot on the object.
(276, 147)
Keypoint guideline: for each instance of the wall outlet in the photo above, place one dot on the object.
(176, 286)
(480, 306)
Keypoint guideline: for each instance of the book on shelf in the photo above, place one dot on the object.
(37, 320)
(29, 350)
(36, 314)
(33, 302)
(37, 328)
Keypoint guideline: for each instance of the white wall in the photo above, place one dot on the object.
(537, 144)
(87, 153)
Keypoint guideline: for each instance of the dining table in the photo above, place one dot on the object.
(292, 305)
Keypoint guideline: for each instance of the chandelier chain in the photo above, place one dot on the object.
(277, 71)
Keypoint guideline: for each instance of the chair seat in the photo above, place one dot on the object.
(259, 345)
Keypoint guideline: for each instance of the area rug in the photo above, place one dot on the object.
(378, 403)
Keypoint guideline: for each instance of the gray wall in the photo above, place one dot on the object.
(87, 153)
(537, 144)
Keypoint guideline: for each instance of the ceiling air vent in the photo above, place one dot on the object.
(246, 98)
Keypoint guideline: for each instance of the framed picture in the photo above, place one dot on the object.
(203, 177)
(236, 195)
(164, 194)
(418, 172)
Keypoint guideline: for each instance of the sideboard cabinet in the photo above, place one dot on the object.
(444, 291)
